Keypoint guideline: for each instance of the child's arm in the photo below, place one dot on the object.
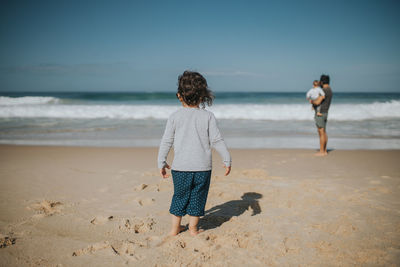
(308, 95)
(165, 146)
(218, 143)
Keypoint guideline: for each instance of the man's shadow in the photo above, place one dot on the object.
(217, 215)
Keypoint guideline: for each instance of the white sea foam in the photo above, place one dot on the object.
(27, 100)
(340, 112)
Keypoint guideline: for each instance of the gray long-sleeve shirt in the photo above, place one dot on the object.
(192, 132)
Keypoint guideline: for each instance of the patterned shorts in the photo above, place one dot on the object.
(190, 192)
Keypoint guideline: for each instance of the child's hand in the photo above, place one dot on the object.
(163, 171)
(227, 170)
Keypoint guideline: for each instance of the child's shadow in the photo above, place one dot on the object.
(217, 215)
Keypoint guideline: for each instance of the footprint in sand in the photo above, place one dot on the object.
(156, 188)
(121, 248)
(180, 243)
(137, 225)
(128, 246)
(101, 220)
(146, 201)
(210, 237)
(124, 248)
(6, 241)
(92, 248)
(164, 185)
(140, 187)
(46, 208)
(172, 242)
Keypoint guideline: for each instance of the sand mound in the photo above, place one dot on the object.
(138, 225)
(47, 207)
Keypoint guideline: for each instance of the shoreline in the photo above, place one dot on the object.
(156, 147)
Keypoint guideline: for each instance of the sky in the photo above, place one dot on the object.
(278, 46)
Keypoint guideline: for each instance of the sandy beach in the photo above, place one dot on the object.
(77, 206)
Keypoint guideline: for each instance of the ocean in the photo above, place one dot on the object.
(246, 120)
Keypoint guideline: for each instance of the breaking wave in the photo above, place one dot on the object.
(51, 107)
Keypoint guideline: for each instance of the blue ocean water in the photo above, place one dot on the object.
(220, 97)
(246, 119)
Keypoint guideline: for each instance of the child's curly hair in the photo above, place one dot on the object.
(193, 89)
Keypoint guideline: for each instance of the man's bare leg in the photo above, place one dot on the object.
(326, 143)
(323, 139)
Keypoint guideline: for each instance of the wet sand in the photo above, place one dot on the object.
(72, 206)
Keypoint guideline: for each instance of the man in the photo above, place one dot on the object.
(320, 121)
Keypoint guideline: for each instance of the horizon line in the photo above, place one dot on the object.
(171, 92)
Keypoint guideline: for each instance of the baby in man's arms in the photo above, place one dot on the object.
(313, 94)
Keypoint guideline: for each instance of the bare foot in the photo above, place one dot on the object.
(174, 232)
(195, 232)
(321, 154)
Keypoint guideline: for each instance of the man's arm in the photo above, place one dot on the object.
(319, 100)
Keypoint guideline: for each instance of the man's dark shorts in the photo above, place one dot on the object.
(320, 121)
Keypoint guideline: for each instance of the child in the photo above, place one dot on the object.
(193, 131)
(313, 94)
